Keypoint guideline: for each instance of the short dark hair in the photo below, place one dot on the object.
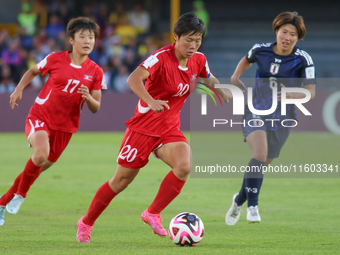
(82, 23)
(189, 23)
(290, 18)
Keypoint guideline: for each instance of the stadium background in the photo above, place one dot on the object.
(233, 29)
(299, 215)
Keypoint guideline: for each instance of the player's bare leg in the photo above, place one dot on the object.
(177, 155)
(47, 165)
(257, 141)
(269, 161)
(122, 178)
(41, 147)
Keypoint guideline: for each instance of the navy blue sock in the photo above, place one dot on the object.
(242, 195)
(253, 181)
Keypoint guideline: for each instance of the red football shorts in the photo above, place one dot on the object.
(136, 148)
(58, 139)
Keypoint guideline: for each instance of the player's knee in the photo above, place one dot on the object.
(47, 165)
(40, 158)
(183, 169)
(260, 156)
(122, 184)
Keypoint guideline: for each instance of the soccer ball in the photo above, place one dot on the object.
(186, 229)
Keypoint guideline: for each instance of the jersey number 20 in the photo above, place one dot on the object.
(128, 153)
(182, 90)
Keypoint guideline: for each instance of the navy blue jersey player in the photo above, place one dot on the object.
(292, 70)
(280, 64)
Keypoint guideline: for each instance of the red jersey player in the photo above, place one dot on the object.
(170, 75)
(73, 80)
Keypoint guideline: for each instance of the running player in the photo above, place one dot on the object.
(73, 80)
(170, 75)
(280, 64)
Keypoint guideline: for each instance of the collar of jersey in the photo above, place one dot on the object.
(73, 65)
(176, 60)
(293, 51)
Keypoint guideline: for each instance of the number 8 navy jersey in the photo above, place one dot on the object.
(293, 70)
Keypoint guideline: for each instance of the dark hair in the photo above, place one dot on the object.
(189, 23)
(290, 18)
(82, 23)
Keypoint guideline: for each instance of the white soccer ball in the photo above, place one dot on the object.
(186, 229)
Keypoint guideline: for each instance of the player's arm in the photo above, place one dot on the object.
(136, 83)
(92, 99)
(25, 80)
(242, 66)
(311, 88)
(224, 93)
(298, 95)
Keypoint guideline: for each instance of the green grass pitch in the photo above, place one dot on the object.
(299, 215)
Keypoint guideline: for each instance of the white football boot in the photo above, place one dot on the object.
(2, 214)
(253, 215)
(14, 205)
(234, 212)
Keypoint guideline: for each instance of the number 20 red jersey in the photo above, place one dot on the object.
(58, 103)
(167, 81)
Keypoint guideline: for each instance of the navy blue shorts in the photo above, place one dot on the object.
(275, 139)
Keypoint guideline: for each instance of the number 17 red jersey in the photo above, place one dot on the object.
(58, 103)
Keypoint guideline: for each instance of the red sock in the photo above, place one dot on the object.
(30, 174)
(101, 200)
(4, 200)
(170, 187)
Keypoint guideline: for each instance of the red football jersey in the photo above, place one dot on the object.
(58, 103)
(167, 81)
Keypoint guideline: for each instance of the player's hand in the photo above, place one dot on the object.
(227, 95)
(85, 93)
(288, 95)
(14, 98)
(238, 83)
(158, 105)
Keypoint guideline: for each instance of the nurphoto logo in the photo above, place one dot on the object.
(238, 103)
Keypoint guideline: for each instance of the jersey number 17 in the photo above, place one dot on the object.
(71, 81)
